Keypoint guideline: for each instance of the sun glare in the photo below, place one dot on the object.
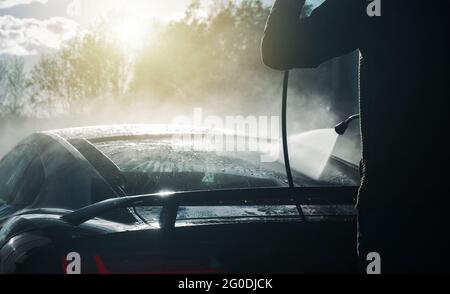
(131, 21)
(130, 32)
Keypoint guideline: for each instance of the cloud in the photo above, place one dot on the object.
(11, 3)
(29, 36)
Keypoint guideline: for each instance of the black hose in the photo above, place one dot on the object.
(284, 129)
(287, 162)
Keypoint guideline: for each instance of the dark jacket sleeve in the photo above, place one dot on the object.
(333, 29)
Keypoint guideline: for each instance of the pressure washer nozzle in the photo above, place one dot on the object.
(342, 127)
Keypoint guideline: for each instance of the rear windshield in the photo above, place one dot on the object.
(156, 165)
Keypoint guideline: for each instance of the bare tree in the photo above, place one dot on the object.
(3, 70)
(3, 78)
(16, 86)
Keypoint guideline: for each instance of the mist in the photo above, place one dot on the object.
(212, 63)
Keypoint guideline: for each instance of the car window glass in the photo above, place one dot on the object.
(222, 213)
(30, 184)
(12, 168)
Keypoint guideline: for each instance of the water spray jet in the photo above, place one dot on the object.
(313, 149)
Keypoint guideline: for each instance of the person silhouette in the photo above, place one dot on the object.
(402, 201)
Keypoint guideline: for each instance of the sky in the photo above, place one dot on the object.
(33, 27)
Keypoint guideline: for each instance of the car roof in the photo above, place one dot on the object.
(130, 130)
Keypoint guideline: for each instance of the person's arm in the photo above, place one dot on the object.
(333, 29)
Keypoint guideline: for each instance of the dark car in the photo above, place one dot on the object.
(133, 199)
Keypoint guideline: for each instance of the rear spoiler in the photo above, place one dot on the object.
(242, 197)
